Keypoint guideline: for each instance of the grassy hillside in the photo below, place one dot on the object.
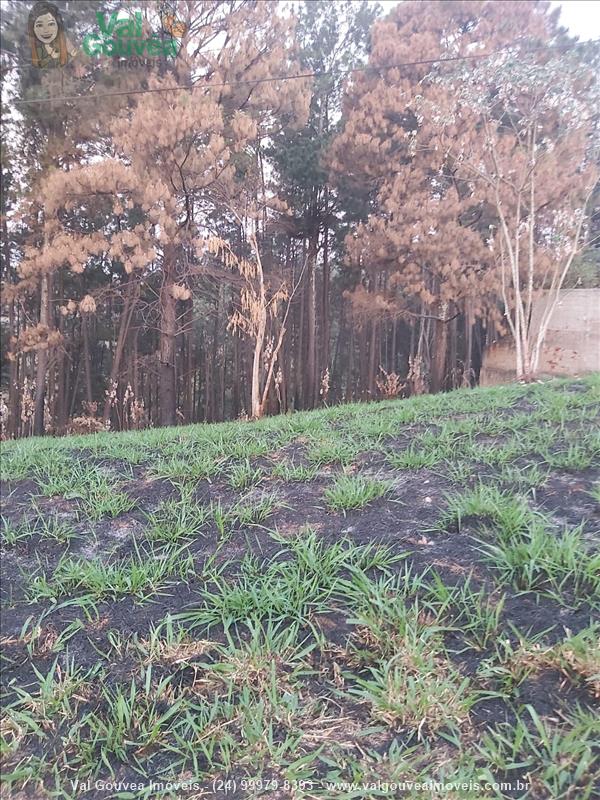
(321, 605)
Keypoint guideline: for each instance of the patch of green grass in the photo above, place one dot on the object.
(329, 660)
(387, 616)
(576, 657)
(247, 511)
(372, 428)
(415, 458)
(100, 498)
(522, 478)
(254, 510)
(54, 696)
(202, 466)
(39, 639)
(425, 695)
(166, 643)
(508, 512)
(574, 458)
(474, 613)
(56, 474)
(525, 551)
(47, 527)
(293, 588)
(11, 533)
(128, 447)
(460, 472)
(540, 559)
(332, 451)
(558, 757)
(294, 473)
(325, 559)
(23, 457)
(242, 476)
(497, 454)
(99, 494)
(248, 657)
(174, 520)
(277, 594)
(595, 492)
(140, 575)
(510, 664)
(351, 492)
(136, 718)
(246, 448)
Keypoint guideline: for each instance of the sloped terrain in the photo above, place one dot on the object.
(397, 599)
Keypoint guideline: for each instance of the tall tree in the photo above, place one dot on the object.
(331, 39)
(160, 185)
(424, 251)
(528, 144)
(362, 239)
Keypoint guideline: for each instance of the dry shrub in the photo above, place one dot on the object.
(87, 305)
(4, 416)
(36, 337)
(324, 390)
(416, 377)
(391, 385)
(577, 658)
(85, 424)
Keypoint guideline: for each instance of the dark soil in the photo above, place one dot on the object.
(405, 521)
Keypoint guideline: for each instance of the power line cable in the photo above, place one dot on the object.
(299, 76)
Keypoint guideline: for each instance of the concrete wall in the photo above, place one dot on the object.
(572, 345)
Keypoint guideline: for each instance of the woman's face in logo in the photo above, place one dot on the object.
(45, 28)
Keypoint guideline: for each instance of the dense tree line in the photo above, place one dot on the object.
(307, 205)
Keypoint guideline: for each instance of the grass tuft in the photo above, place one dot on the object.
(350, 492)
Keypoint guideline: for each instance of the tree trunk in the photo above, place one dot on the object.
(256, 404)
(208, 379)
(166, 355)
(311, 343)
(13, 379)
(363, 362)
(440, 351)
(87, 359)
(299, 387)
(453, 348)
(214, 361)
(372, 360)
(350, 383)
(468, 368)
(236, 394)
(126, 314)
(325, 311)
(188, 378)
(42, 358)
(12, 428)
(62, 373)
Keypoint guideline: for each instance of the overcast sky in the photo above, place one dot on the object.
(581, 17)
